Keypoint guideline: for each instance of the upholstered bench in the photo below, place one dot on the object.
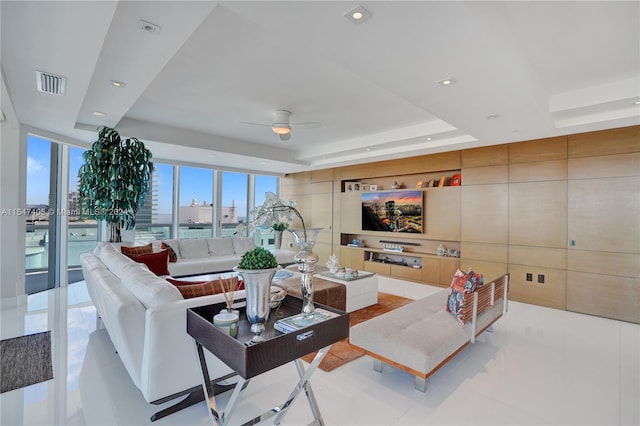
(422, 336)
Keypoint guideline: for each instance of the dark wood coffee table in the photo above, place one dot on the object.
(250, 359)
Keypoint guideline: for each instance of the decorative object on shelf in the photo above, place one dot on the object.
(257, 268)
(364, 187)
(114, 180)
(373, 187)
(443, 181)
(332, 263)
(352, 186)
(456, 180)
(420, 184)
(393, 247)
(441, 250)
(227, 322)
(430, 183)
(270, 212)
(396, 185)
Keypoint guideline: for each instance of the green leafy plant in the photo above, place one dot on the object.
(280, 226)
(114, 180)
(258, 258)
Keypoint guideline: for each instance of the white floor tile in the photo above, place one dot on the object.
(540, 366)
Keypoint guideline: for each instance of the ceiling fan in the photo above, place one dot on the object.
(282, 124)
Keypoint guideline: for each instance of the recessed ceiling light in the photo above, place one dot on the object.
(428, 139)
(99, 113)
(447, 81)
(212, 155)
(492, 116)
(368, 149)
(148, 27)
(358, 15)
(637, 102)
(118, 83)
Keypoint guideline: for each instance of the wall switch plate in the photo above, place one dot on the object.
(529, 276)
(540, 279)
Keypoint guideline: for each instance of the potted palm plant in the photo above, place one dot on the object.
(114, 180)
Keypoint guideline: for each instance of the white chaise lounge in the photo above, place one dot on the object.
(422, 336)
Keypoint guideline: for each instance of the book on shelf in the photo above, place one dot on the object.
(302, 320)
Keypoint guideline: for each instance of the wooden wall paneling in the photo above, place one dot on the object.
(323, 175)
(484, 251)
(485, 175)
(604, 142)
(604, 214)
(442, 213)
(377, 267)
(602, 262)
(357, 258)
(495, 155)
(538, 214)
(605, 166)
(553, 293)
(448, 268)
(484, 213)
(350, 213)
(404, 166)
(490, 270)
(539, 171)
(543, 257)
(345, 257)
(538, 150)
(604, 295)
(430, 272)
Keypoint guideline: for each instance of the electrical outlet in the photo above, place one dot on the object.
(529, 276)
(540, 279)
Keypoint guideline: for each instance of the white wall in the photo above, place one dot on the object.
(12, 225)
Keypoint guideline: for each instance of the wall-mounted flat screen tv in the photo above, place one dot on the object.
(392, 211)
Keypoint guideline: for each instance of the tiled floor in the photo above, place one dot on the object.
(540, 366)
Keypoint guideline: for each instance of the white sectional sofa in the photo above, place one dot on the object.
(207, 255)
(145, 317)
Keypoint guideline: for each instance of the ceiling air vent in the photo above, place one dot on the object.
(50, 83)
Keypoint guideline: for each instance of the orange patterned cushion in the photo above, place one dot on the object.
(197, 290)
(137, 249)
(173, 257)
(156, 262)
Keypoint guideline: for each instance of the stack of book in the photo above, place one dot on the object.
(300, 321)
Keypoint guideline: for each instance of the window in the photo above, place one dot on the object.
(233, 202)
(195, 211)
(154, 220)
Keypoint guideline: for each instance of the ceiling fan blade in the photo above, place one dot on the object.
(256, 124)
(307, 124)
(285, 137)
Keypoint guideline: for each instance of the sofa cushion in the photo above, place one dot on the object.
(147, 248)
(201, 289)
(147, 287)
(175, 245)
(178, 283)
(241, 245)
(156, 262)
(173, 256)
(114, 260)
(220, 246)
(194, 248)
(462, 284)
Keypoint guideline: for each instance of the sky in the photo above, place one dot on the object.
(194, 182)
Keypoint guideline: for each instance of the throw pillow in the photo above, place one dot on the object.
(182, 282)
(137, 249)
(173, 257)
(202, 289)
(156, 262)
(462, 284)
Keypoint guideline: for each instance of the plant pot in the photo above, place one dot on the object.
(278, 239)
(257, 284)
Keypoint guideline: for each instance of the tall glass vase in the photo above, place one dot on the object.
(306, 260)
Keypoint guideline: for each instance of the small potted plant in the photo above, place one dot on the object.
(257, 268)
(278, 228)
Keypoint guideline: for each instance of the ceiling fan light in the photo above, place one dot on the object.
(281, 128)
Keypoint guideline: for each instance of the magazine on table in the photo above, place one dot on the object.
(302, 320)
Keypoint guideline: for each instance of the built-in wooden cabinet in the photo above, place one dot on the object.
(564, 208)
